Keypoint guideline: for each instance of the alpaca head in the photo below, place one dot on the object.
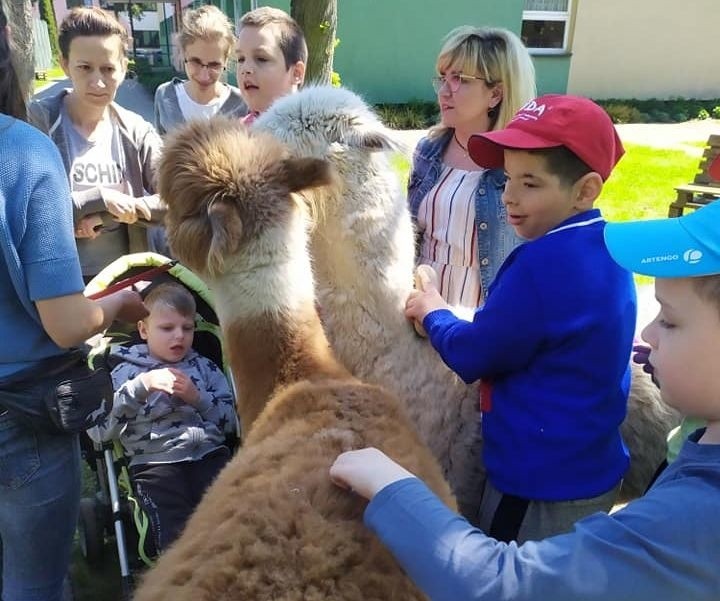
(333, 124)
(319, 121)
(230, 193)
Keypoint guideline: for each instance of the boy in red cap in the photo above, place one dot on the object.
(552, 343)
(662, 546)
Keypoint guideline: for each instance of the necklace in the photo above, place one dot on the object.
(463, 148)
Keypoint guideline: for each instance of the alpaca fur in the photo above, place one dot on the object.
(363, 253)
(362, 248)
(273, 526)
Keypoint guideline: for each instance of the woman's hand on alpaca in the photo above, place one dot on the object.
(420, 303)
(366, 471)
(125, 208)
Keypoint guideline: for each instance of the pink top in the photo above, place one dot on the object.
(249, 119)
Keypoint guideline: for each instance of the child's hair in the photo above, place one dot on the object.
(87, 21)
(564, 163)
(174, 296)
(708, 288)
(12, 98)
(497, 55)
(207, 23)
(290, 37)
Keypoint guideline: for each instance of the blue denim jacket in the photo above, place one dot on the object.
(496, 239)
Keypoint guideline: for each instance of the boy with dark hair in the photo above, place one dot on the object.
(552, 343)
(663, 545)
(172, 411)
(271, 57)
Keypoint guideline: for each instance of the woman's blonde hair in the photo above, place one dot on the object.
(207, 23)
(499, 57)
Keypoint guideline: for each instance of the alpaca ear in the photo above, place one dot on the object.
(226, 233)
(372, 138)
(304, 173)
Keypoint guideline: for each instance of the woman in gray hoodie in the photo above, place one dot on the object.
(109, 153)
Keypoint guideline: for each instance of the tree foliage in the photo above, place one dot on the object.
(47, 14)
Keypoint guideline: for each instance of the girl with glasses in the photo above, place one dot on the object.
(206, 41)
(484, 75)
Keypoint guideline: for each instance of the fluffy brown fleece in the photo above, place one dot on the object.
(272, 526)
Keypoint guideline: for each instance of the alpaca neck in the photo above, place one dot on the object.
(272, 332)
(364, 249)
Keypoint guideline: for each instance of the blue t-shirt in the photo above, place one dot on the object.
(39, 258)
(553, 342)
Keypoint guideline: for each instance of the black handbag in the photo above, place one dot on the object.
(58, 394)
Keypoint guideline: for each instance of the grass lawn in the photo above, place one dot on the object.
(52, 73)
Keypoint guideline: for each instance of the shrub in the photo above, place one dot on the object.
(703, 114)
(716, 112)
(623, 113)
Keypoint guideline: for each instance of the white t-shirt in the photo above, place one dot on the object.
(194, 110)
(97, 163)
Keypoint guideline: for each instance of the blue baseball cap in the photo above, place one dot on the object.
(676, 247)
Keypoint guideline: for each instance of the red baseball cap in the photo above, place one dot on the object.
(551, 121)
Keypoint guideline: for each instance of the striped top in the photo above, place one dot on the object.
(446, 218)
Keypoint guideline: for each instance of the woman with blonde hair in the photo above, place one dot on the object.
(206, 41)
(484, 75)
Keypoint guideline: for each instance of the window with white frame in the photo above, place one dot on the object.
(545, 26)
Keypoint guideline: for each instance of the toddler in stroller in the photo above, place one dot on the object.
(173, 410)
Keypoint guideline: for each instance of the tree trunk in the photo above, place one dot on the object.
(19, 14)
(318, 20)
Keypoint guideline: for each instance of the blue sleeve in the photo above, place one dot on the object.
(503, 335)
(47, 250)
(635, 553)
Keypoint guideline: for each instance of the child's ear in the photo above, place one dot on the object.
(586, 190)
(298, 73)
(142, 329)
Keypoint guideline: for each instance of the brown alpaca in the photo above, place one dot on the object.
(273, 526)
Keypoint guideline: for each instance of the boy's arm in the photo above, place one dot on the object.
(633, 554)
(217, 402)
(504, 335)
(130, 394)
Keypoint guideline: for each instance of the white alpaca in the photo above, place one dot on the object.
(363, 252)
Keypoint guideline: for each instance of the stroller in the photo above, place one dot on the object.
(114, 509)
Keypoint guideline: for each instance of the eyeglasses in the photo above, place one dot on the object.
(453, 81)
(197, 65)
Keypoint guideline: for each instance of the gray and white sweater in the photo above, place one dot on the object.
(155, 427)
(168, 114)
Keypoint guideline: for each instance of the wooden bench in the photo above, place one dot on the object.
(704, 188)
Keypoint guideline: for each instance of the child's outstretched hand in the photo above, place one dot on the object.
(424, 300)
(366, 471)
(172, 381)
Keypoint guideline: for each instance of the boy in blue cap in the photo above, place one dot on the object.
(661, 546)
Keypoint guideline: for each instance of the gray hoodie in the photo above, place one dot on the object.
(168, 114)
(155, 427)
(141, 149)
